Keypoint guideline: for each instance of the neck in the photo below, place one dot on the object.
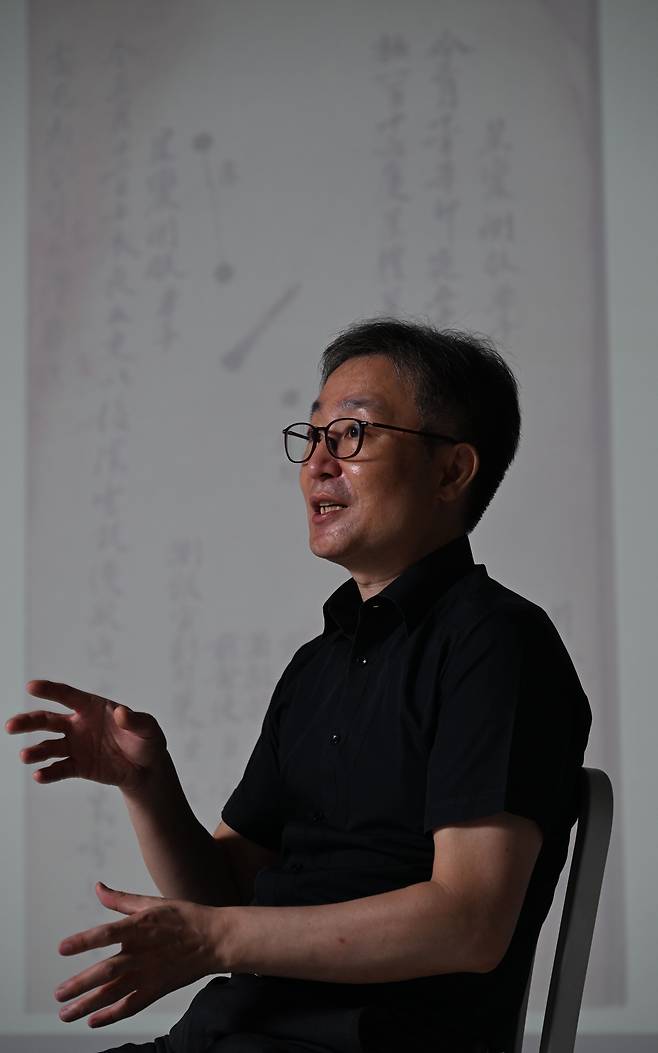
(373, 580)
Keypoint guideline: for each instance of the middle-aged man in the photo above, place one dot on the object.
(381, 872)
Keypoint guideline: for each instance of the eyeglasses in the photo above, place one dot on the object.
(343, 438)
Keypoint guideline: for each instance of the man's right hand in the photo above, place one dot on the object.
(100, 740)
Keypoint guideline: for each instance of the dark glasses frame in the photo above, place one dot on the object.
(315, 432)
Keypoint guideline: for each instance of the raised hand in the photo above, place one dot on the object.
(165, 944)
(100, 740)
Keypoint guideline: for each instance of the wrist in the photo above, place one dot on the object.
(224, 928)
(151, 781)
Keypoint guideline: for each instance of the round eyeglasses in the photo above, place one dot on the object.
(343, 437)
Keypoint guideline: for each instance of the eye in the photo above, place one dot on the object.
(344, 437)
(346, 429)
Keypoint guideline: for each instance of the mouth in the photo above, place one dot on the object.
(324, 510)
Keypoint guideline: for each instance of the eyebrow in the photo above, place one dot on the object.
(353, 402)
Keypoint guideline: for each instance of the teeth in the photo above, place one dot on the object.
(327, 508)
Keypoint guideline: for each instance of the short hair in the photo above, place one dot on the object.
(459, 382)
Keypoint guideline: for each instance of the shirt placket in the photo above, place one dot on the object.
(344, 736)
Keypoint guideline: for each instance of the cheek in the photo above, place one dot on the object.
(374, 481)
(382, 496)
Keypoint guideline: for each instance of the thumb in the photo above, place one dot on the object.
(125, 902)
(142, 724)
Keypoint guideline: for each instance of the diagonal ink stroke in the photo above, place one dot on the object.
(234, 358)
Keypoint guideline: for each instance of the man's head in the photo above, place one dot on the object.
(405, 494)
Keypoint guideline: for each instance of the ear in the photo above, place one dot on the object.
(460, 466)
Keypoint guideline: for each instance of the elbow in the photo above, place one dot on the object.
(484, 941)
(490, 951)
(480, 939)
(487, 963)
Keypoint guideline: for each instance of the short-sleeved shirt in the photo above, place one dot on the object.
(445, 697)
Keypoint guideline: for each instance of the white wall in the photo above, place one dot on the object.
(12, 460)
(629, 34)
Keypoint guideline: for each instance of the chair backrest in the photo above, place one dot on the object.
(581, 902)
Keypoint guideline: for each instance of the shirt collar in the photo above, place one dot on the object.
(411, 593)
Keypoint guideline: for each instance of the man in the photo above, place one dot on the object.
(382, 870)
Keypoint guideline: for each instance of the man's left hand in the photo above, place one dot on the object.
(165, 944)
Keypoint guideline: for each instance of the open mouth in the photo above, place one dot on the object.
(325, 510)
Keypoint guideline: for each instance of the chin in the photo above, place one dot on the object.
(328, 548)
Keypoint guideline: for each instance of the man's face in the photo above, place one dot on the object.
(388, 512)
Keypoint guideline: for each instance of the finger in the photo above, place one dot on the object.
(104, 996)
(62, 769)
(100, 936)
(143, 724)
(102, 973)
(45, 750)
(125, 902)
(37, 720)
(66, 695)
(125, 1007)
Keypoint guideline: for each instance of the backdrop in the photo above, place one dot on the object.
(215, 190)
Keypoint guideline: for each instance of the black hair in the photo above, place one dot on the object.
(459, 382)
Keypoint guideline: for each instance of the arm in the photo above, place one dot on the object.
(461, 920)
(183, 858)
(112, 744)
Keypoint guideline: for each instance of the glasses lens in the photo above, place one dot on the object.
(299, 442)
(343, 437)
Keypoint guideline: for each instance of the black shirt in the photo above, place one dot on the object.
(445, 697)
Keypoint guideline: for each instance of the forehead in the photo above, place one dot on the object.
(369, 382)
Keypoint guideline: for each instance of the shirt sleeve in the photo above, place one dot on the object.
(512, 725)
(257, 807)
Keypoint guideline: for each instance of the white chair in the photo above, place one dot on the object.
(578, 916)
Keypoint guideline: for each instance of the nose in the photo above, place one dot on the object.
(321, 464)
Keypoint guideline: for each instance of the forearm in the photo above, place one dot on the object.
(183, 858)
(410, 932)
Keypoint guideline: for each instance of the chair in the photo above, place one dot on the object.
(581, 901)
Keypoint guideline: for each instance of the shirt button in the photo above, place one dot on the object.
(335, 738)
(362, 660)
(297, 868)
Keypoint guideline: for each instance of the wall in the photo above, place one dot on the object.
(630, 89)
